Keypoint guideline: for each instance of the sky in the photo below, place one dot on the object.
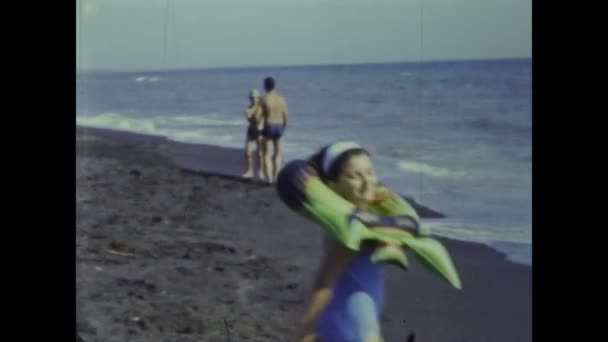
(175, 34)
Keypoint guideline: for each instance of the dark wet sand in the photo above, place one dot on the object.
(172, 246)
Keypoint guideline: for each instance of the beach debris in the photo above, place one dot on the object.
(227, 330)
(115, 252)
(135, 173)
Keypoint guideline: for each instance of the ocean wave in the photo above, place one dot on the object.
(111, 120)
(144, 79)
(429, 170)
(189, 129)
(479, 233)
(398, 152)
(197, 120)
(514, 242)
(118, 122)
(489, 124)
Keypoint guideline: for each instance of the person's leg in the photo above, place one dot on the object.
(260, 157)
(362, 309)
(248, 147)
(276, 158)
(268, 172)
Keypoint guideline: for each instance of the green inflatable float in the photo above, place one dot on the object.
(390, 223)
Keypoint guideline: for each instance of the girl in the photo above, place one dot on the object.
(348, 290)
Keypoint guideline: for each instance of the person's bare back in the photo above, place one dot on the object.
(274, 113)
(274, 108)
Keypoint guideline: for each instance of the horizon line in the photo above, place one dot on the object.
(280, 66)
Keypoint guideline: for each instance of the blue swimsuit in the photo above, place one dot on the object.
(353, 313)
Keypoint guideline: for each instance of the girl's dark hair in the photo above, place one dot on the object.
(337, 166)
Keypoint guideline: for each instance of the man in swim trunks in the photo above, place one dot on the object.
(274, 113)
(253, 113)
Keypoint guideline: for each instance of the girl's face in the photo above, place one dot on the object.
(357, 182)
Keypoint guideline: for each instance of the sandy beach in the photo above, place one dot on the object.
(173, 246)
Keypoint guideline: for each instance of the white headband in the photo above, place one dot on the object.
(334, 151)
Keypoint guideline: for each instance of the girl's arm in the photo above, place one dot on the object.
(248, 113)
(336, 258)
(258, 112)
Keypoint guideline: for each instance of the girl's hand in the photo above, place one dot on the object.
(302, 333)
(311, 337)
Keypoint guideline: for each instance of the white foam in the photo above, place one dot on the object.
(493, 237)
(479, 233)
(118, 122)
(426, 169)
(205, 120)
(146, 79)
(189, 129)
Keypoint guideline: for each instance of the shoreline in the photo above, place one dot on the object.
(220, 161)
(227, 163)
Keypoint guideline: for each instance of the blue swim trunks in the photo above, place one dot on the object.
(273, 131)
